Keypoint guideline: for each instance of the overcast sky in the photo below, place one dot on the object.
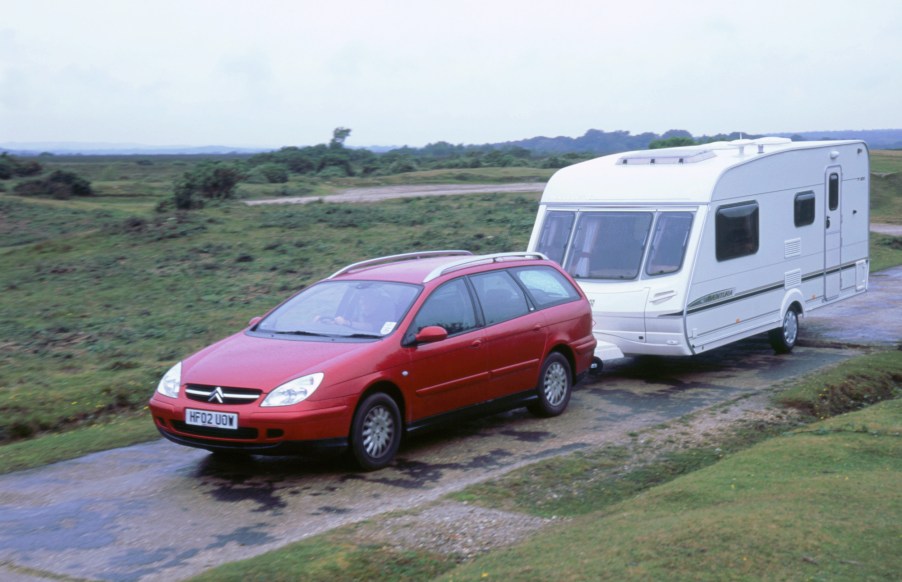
(280, 72)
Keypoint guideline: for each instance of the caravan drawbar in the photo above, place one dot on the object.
(683, 250)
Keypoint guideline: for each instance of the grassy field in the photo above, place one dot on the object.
(101, 295)
(781, 502)
(886, 161)
(819, 503)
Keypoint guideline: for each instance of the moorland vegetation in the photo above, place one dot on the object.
(103, 289)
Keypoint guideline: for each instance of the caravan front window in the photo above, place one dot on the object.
(555, 234)
(609, 245)
(668, 243)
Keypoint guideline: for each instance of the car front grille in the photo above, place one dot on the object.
(224, 433)
(221, 394)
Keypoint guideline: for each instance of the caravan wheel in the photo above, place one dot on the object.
(783, 339)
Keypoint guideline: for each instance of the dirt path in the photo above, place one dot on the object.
(890, 229)
(380, 193)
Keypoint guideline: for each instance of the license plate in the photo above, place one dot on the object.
(226, 420)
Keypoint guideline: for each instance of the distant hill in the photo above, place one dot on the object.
(602, 142)
(877, 139)
(121, 149)
(594, 141)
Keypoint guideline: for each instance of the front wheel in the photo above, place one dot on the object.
(783, 338)
(376, 431)
(555, 386)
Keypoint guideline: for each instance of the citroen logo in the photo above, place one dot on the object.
(216, 395)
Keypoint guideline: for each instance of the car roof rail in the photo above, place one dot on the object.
(494, 258)
(397, 259)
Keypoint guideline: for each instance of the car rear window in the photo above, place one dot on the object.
(500, 296)
(546, 286)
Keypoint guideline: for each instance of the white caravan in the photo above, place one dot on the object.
(682, 250)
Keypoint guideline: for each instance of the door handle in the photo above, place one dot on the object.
(476, 344)
(537, 327)
(663, 296)
(828, 222)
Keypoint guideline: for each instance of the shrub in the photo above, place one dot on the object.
(214, 181)
(11, 166)
(271, 173)
(61, 185)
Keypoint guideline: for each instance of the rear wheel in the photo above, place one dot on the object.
(376, 431)
(555, 386)
(783, 338)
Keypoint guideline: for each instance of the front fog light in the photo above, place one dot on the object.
(171, 382)
(294, 391)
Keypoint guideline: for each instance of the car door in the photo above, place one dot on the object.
(451, 373)
(514, 334)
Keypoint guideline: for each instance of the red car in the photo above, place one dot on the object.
(381, 348)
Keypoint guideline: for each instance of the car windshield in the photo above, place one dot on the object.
(343, 308)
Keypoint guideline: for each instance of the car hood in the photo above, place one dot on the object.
(246, 361)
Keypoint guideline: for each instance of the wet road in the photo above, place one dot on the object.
(159, 511)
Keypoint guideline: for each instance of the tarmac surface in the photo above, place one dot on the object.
(872, 318)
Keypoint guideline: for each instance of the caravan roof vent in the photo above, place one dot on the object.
(666, 156)
(767, 141)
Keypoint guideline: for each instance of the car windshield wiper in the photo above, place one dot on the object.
(296, 332)
(362, 334)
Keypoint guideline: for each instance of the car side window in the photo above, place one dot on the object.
(500, 296)
(546, 286)
(450, 306)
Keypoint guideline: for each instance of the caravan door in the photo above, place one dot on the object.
(832, 232)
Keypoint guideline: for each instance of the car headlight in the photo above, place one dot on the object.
(171, 382)
(294, 391)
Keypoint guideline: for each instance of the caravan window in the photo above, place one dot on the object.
(555, 234)
(609, 245)
(804, 208)
(736, 231)
(834, 191)
(668, 243)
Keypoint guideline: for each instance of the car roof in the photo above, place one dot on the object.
(425, 266)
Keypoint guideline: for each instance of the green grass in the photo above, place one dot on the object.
(100, 301)
(854, 384)
(768, 501)
(332, 557)
(820, 504)
(121, 431)
(886, 251)
(886, 161)
(886, 198)
(103, 294)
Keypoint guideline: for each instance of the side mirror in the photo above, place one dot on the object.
(254, 321)
(431, 333)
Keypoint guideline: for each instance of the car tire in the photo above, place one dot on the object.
(555, 387)
(783, 338)
(376, 431)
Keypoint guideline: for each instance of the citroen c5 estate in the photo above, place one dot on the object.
(384, 348)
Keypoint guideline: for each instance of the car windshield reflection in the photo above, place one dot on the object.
(354, 309)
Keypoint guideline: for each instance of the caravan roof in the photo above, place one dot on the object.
(684, 175)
